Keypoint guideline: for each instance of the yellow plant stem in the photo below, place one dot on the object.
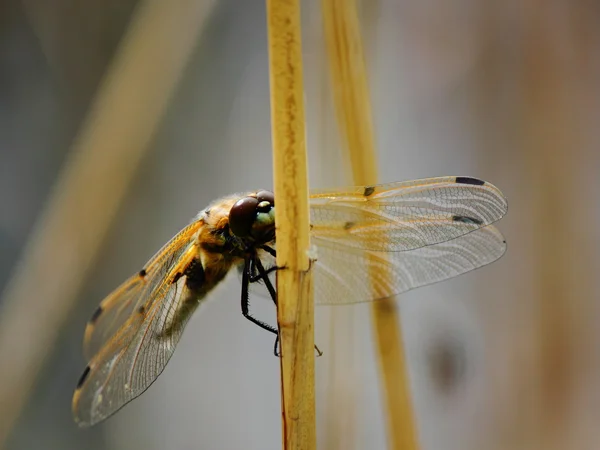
(295, 311)
(353, 109)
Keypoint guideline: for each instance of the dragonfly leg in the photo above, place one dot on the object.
(255, 278)
(270, 250)
(246, 301)
(318, 350)
(273, 293)
(264, 275)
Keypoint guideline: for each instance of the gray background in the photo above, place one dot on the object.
(456, 90)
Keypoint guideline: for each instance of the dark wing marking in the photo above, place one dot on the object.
(403, 216)
(134, 293)
(150, 315)
(402, 235)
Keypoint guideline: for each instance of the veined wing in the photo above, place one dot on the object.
(350, 275)
(132, 335)
(402, 216)
(119, 305)
(378, 241)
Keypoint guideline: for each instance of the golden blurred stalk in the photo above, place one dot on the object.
(351, 97)
(295, 311)
(555, 80)
(70, 231)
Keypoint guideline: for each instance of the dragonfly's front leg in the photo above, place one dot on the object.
(263, 274)
(257, 277)
(246, 301)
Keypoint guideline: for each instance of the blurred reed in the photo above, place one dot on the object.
(119, 126)
(553, 140)
(352, 102)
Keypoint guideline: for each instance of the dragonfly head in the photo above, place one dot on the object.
(253, 217)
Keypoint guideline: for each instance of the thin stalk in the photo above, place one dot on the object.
(352, 102)
(295, 311)
(554, 148)
(82, 205)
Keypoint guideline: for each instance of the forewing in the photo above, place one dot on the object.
(349, 275)
(397, 217)
(111, 314)
(136, 353)
(134, 293)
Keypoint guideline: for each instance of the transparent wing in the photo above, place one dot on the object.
(403, 216)
(110, 315)
(148, 314)
(344, 274)
(118, 306)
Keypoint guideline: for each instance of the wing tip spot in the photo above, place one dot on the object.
(368, 191)
(142, 273)
(96, 315)
(83, 377)
(470, 180)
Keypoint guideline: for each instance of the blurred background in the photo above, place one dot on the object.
(152, 109)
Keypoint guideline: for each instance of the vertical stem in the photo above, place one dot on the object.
(351, 96)
(295, 314)
(553, 138)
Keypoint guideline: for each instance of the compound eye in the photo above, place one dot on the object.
(242, 216)
(265, 196)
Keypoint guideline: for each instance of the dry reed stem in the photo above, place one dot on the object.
(555, 68)
(84, 201)
(351, 97)
(295, 312)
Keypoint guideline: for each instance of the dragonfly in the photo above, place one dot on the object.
(372, 242)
